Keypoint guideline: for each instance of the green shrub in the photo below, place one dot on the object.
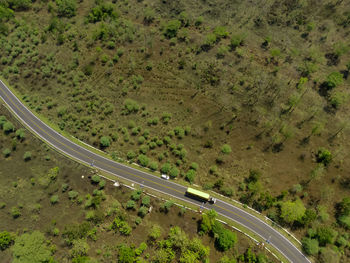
(95, 179)
(213, 169)
(324, 156)
(237, 40)
(66, 8)
(334, 79)
(153, 166)
(136, 195)
(143, 160)
(6, 152)
(292, 211)
(142, 211)
(64, 186)
(149, 15)
(102, 184)
(8, 127)
(105, 141)
(146, 201)
(27, 156)
(165, 168)
(225, 239)
(194, 166)
(54, 199)
(326, 235)
(222, 51)
(130, 106)
(6, 240)
(171, 28)
(131, 155)
(210, 40)
(15, 212)
(53, 173)
(130, 204)
(174, 172)
(226, 149)
(155, 232)
(167, 205)
(166, 117)
(199, 21)
(3, 120)
(344, 221)
(310, 246)
(72, 194)
(101, 12)
(220, 32)
(190, 175)
(20, 133)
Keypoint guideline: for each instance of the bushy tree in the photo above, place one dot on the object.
(310, 246)
(208, 220)
(130, 204)
(171, 28)
(292, 211)
(8, 127)
(329, 255)
(344, 221)
(324, 156)
(31, 247)
(6, 239)
(66, 8)
(143, 160)
(105, 141)
(155, 232)
(224, 238)
(142, 211)
(344, 206)
(130, 106)
(20, 133)
(101, 12)
(334, 79)
(136, 195)
(153, 165)
(326, 235)
(165, 168)
(146, 201)
(174, 172)
(126, 254)
(80, 248)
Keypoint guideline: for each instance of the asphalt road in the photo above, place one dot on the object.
(146, 180)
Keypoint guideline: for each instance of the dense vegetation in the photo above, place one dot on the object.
(246, 98)
(50, 213)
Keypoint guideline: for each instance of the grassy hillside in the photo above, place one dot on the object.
(54, 209)
(247, 98)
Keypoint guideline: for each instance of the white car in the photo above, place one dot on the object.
(164, 176)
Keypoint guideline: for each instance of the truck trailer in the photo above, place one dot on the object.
(200, 195)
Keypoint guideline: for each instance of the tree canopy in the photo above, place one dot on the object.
(31, 247)
(292, 211)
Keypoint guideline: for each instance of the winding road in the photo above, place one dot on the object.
(81, 154)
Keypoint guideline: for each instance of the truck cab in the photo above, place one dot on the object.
(212, 200)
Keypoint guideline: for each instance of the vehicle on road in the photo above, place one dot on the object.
(200, 195)
(164, 176)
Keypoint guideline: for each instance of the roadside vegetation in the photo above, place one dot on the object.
(250, 100)
(55, 210)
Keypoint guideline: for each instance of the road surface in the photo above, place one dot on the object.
(77, 152)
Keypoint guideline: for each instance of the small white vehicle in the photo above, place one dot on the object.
(164, 176)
